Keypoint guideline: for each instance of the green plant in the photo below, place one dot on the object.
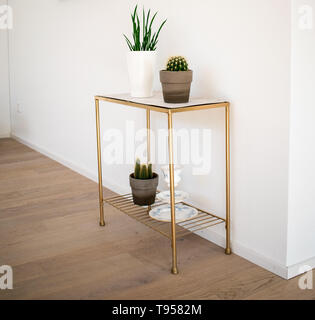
(177, 63)
(149, 39)
(143, 171)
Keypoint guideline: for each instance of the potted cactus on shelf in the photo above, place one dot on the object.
(143, 183)
(176, 80)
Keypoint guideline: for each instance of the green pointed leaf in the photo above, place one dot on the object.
(129, 43)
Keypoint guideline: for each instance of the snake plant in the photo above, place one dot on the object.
(148, 40)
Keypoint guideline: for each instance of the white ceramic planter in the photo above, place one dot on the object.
(141, 68)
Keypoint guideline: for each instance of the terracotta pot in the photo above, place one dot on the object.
(176, 85)
(144, 191)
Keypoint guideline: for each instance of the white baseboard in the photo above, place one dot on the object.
(210, 235)
(285, 272)
(246, 253)
(71, 165)
(298, 269)
(5, 135)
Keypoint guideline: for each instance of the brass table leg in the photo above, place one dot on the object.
(148, 142)
(171, 165)
(99, 161)
(148, 136)
(227, 151)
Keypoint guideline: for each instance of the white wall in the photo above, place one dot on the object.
(301, 219)
(4, 83)
(62, 53)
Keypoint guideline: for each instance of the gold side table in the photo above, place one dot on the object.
(124, 203)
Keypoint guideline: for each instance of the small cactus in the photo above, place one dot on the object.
(137, 169)
(150, 172)
(177, 63)
(143, 171)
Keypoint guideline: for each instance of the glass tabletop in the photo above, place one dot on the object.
(157, 101)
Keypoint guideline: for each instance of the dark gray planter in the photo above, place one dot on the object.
(176, 85)
(144, 191)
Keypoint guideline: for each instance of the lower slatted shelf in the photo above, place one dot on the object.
(202, 221)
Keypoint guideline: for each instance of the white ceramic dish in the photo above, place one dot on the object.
(180, 196)
(182, 213)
